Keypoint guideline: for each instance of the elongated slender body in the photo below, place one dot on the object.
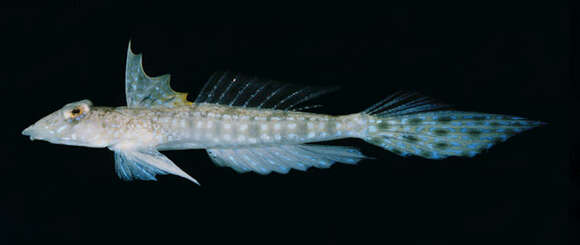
(216, 126)
(251, 125)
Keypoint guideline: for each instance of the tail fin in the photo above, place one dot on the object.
(407, 125)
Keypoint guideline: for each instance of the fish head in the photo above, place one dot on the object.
(71, 125)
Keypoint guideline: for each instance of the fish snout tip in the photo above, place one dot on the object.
(29, 132)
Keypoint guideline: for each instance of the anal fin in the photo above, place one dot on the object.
(281, 159)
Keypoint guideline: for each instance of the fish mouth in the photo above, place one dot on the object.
(29, 132)
(33, 132)
(36, 133)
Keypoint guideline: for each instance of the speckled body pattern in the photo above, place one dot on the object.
(201, 126)
(440, 134)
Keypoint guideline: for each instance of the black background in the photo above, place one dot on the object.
(510, 58)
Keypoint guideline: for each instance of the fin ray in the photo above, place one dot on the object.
(142, 164)
(233, 89)
(142, 90)
(441, 134)
(281, 159)
(403, 103)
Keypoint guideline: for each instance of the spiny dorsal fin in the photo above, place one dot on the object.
(145, 91)
(232, 89)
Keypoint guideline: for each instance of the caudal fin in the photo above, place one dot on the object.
(407, 125)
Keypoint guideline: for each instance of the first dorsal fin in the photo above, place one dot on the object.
(233, 89)
(145, 91)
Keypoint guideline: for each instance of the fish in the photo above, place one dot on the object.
(254, 125)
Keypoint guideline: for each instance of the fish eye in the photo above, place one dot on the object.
(77, 112)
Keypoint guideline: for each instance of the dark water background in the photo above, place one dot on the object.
(508, 58)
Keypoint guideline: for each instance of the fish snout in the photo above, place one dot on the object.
(30, 131)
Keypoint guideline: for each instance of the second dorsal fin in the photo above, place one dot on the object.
(232, 89)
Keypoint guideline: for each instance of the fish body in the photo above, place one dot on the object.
(251, 125)
(202, 126)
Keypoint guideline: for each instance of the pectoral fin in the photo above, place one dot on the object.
(145, 165)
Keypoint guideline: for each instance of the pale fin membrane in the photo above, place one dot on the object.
(145, 165)
(408, 124)
(142, 90)
(282, 158)
(233, 89)
(402, 103)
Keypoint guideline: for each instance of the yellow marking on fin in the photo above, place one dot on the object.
(181, 99)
